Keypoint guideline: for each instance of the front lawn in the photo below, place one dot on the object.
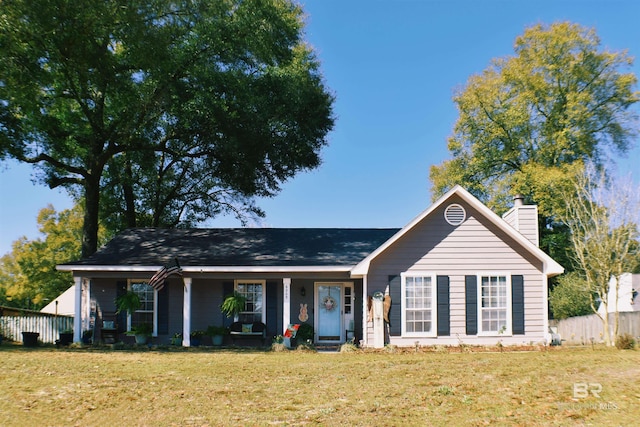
(89, 387)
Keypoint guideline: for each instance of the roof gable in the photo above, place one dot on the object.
(550, 267)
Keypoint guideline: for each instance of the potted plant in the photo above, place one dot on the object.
(142, 332)
(196, 337)
(217, 334)
(176, 339)
(233, 304)
(129, 302)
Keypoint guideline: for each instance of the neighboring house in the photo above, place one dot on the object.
(629, 300)
(456, 273)
(63, 305)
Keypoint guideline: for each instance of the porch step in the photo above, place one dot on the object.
(328, 347)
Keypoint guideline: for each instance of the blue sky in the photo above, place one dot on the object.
(393, 67)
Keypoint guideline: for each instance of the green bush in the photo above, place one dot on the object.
(625, 342)
(305, 333)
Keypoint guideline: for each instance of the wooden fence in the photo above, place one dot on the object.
(49, 327)
(581, 329)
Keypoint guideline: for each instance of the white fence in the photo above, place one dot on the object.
(581, 329)
(49, 327)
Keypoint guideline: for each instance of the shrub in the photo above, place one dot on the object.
(348, 347)
(305, 333)
(625, 342)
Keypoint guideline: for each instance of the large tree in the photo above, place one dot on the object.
(530, 121)
(28, 275)
(224, 93)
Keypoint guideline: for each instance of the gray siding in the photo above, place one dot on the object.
(473, 247)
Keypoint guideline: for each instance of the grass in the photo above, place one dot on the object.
(94, 387)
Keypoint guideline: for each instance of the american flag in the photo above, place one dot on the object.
(158, 279)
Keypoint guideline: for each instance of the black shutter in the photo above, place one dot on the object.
(471, 303)
(272, 308)
(121, 318)
(395, 317)
(227, 289)
(517, 304)
(163, 310)
(442, 297)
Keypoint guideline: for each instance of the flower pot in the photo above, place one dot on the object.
(30, 339)
(195, 342)
(217, 340)
(141, 338)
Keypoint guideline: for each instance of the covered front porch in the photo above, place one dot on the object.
(325, 300)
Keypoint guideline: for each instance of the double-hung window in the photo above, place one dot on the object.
(494, 297)
(147, 311)
(418, 304)
(254, 293)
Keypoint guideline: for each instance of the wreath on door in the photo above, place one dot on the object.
(328, 303)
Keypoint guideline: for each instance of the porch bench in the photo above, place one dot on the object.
(255, 330)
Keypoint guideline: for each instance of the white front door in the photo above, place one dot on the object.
(329, 317)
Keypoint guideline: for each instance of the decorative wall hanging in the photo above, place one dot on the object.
(303, 316)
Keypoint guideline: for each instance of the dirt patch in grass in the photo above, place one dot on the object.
(54, 387)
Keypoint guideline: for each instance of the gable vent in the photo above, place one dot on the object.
(455, 214)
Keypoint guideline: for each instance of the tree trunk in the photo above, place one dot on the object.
(91, 212)
(605, 325)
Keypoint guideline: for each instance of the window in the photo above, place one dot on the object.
(254, 305)
(494, 304)
(418, 304)
(147, 310)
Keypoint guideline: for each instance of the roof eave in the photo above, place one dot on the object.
(208, 269)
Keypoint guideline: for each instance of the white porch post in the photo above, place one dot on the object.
(365, 313)
(186, 313)
(286, 302)
(77, 310)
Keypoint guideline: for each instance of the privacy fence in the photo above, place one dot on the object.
(581, 329)
(48, 326)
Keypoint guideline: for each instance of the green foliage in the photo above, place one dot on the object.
(173, 112)
(28, 275)
(529, 121)
(305, 333)
(142, 329)
(570, 297)
(128, 302)
(216, 330)
(233, 304)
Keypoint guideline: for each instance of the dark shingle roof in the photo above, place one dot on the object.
(240, 247)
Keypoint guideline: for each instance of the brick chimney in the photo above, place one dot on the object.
(523, 218)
